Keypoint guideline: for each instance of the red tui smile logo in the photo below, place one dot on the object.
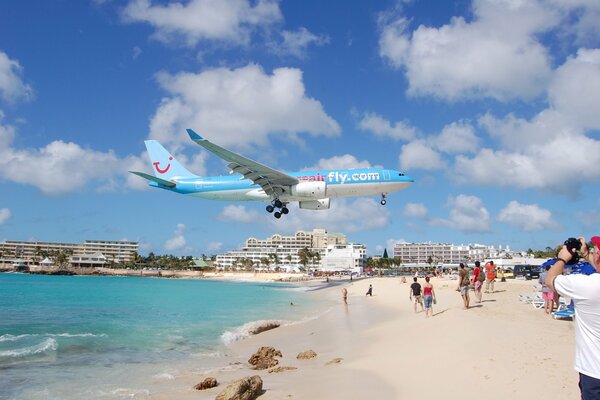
(158, 169)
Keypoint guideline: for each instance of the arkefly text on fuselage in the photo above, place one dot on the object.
(311, 189)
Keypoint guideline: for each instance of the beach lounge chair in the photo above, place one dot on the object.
(538, 302)
(568, 312)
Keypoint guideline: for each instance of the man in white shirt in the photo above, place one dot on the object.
(585, 292)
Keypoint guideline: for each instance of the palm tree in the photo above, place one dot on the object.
(275, 259)
(304, 255)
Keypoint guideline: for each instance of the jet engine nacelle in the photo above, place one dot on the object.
(321, 204)
(315, 190)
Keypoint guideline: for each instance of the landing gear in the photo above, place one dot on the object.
(280, 205)
(383, 200)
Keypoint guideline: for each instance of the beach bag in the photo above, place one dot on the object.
(481, 276)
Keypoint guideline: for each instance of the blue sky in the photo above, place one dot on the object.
(492, 106)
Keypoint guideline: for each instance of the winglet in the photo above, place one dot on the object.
(193, 135)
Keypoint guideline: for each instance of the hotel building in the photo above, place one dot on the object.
(32, 253)
(335, 253)
(442, 253)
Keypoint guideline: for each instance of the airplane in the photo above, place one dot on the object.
(312, 190)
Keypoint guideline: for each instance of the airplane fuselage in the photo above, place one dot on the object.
(339, 183)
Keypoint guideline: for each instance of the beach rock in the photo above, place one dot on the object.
(334, 361)
(206, 384)
(281, 369)
(265, 358)
(248, 388)
(306, 355)
(266, 326)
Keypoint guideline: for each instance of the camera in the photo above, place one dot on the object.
(574, 246)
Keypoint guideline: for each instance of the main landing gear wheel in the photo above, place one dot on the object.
(281, 206)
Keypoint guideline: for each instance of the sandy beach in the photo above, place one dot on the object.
(499, 349)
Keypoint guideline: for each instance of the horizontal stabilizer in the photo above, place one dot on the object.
(154, 179)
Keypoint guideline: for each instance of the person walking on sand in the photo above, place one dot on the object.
(370, 291)
(463, 285)
(415, 291)
(345, 295)
(428, 297)
(478, 279)
(490, 272)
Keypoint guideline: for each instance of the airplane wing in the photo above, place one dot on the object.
(271, 180)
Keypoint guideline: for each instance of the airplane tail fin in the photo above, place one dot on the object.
(164, 165)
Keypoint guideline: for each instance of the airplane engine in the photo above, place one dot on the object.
(321, 204)
(315, 190)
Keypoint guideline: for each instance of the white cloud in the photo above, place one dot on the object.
(62, 167)
(242, 214)
(347, 161)
(12, 87)
(5, 214)
(136, 52)
(214, 247)
(575, 89)
(381, 127)
(295, 43)
(238, 107)
(419, 155)
(177, 242)
(361, 214)
(467, 214)
(486, 57)
(457, 137)
(527, 217)
(415, 210)
(230, 21)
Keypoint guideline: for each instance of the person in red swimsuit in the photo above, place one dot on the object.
(428, 297)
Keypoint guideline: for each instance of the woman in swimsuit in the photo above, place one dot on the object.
(428, 297)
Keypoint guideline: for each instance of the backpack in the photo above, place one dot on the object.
(481, 276)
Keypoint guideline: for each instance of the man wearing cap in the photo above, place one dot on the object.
(585, 292)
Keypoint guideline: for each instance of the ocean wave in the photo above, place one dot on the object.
(244, 331)
(46, 346)
(13, 338)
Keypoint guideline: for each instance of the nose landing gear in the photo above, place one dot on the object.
(383, 200)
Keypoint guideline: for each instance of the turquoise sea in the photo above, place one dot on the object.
(74, 337)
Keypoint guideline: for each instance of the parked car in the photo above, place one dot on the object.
(527, 272)
(506, 273)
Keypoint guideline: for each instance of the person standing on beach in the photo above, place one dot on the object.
(463, 284)
(370, 291)
(428, 297)
(585, 292)
(345, 295)
(547, 292)
(490, 272)
(415, 291)
(478, 279)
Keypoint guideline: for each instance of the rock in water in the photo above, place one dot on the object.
(305, 355)
(265, 358)
(206, 384)
(248, 388)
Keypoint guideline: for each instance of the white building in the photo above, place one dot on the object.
(442, 253)
(282, 251)
(344, 257)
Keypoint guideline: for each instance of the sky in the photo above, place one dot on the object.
(491, 106)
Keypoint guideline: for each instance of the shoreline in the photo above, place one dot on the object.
(498, 349)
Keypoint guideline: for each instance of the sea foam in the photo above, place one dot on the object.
(46, 346)
(244, 331)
